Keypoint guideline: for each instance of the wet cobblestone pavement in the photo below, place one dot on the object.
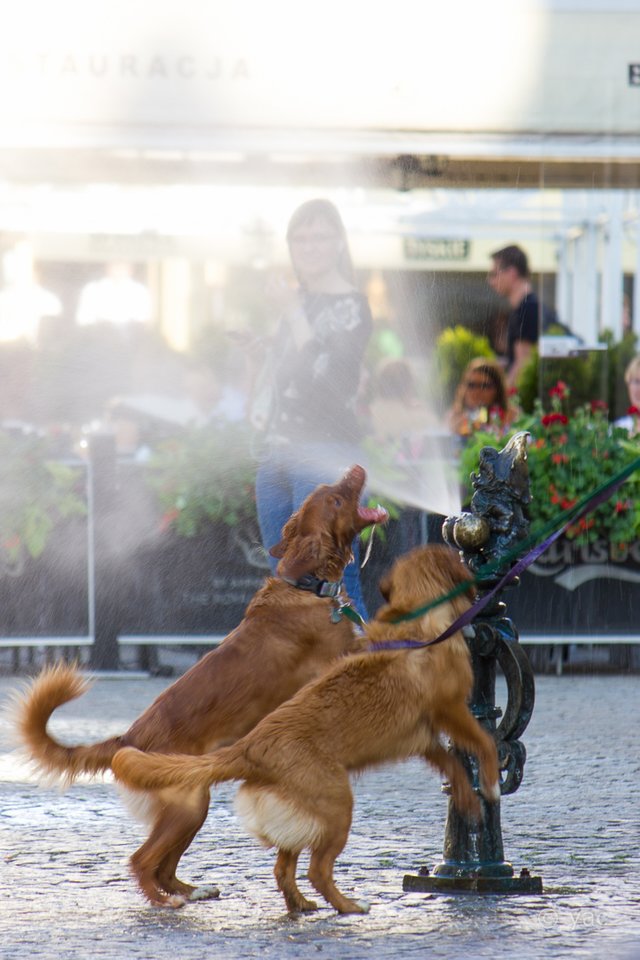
(575, 821)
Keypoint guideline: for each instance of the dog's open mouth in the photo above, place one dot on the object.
(371, 515)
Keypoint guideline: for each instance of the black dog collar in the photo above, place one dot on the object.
(321, 588)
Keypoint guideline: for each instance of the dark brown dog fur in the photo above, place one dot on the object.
(285, 639)
(371, 708)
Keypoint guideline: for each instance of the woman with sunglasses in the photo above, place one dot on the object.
(481, 396)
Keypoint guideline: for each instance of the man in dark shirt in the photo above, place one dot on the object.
(510, 278)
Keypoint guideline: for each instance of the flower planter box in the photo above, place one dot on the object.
(586, 593)
(197, 585)
(592, 589)
(176, 585)
(49, 595)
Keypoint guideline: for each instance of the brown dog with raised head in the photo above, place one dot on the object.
(287, 637)
(368, 709)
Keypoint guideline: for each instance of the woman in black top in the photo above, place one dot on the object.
(306, 401)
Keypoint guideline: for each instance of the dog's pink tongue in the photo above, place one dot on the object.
(373, 514)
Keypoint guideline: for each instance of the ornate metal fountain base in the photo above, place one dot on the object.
(473, 857)
(484, 881)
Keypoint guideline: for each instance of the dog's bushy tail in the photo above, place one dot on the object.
(31, 712)
(153, 771)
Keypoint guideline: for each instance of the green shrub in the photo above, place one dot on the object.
(36, 493)
(455, 347)
(207, 475)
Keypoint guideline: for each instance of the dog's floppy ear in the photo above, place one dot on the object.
(289, 532)
(278, 549)
(385, 586)
(300, 557)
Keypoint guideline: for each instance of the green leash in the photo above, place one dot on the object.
(346, 610)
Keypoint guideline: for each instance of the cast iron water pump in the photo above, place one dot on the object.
(473, 856)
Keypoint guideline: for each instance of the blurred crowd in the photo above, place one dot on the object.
(99, 361)
(103, 363)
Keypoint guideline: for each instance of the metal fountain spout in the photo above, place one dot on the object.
(473, 857)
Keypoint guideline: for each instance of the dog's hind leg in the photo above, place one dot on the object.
(154, 864)
(321, 875)
(186, 822)
(337, 818)
(143, 865)
(285, 874)
(462, 792)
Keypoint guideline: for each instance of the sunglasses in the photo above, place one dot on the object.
(479, 385)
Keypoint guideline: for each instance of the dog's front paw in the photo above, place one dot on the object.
(205, 892)
(174, 902)
(355, 906)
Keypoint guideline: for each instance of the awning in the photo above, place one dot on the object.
(498, 93)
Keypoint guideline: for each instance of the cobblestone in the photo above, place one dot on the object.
(66, 891)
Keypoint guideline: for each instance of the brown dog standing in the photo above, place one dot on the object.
(368, 709)
(286, 638)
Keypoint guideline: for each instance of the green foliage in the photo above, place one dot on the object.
(572, 452)
(455, 347)
(586, 376)
(528, 382)
(205, 476)
(36, 493)
(596, 374)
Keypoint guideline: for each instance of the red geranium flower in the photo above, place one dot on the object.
(633, 411)
(560, 390)
(598, 405)
(550, 418)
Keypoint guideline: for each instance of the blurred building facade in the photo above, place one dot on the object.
(177, 139)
